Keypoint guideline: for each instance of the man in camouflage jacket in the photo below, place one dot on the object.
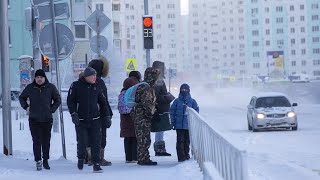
(142, 115)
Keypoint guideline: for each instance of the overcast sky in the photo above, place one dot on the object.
(184, 7)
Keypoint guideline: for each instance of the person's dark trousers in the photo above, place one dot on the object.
(41, 136)
(183, 144)
(103, 137)
(89, 133)
(130, 148)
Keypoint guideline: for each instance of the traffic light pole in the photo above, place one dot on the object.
(57, 73)
(5, 76)
(147, 50)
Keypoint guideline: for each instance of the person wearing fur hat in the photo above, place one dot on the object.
(101, 65)
(44, 99)
(88, 107)
(161, 119)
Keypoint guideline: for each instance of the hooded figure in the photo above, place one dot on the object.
(179, 121)
(161, 119)
(44, 100)
(102, 68)
(142, 114)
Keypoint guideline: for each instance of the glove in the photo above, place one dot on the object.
(107, 121)
(75, 119)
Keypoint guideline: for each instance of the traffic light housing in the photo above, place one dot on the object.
(147, 32)
(45, 63)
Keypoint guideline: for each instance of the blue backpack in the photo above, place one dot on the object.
(130, 95)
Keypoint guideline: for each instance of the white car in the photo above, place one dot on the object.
(271, 110)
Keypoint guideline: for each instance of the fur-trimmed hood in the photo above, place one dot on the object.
(101, 65)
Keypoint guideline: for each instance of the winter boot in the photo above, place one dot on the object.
(89, 156)
(39, 165)
(46, 164)
(147, 163)
(103, 162)
(160, 149)
(80, 164)
(97, 168)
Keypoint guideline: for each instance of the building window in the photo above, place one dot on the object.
(291, 8)
(302, 7)
(279, 20)
(292, 30)
(302, 29)
(279, 9)
(303, 62)
(301, 18)
(116, 28)
(279, 31)
(315, 39)
(255, 22)
(266, 9)
(100, 7)
(256, 65)
(268, 43)
(314, 17)
(314, 6)
(267, 31)
(267, 21)
(115, 7)
(127, 6)
(316, 73)
(316, 51)
(255, 43)
(293, 52)
(291, 19)
(303, 40)
(315, 28)
(158, 6)
(79, 1)
(303, 51)
(255, 33)
(80, 31)
(256, 54)
(316, 62)
(293, 63)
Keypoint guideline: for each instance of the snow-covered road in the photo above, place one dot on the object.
(272, 155)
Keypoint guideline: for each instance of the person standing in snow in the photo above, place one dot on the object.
(88, 107)
(126, 122)
(101, 66)
(179, 121)
(161, 118)
(142, 114)
(44, 100)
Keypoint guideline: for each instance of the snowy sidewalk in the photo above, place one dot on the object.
(21, 164)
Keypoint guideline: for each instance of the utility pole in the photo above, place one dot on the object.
(5, 76)
(147, 50)
(55, 63)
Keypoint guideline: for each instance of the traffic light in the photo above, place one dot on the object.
(45, 63)
(147, 32)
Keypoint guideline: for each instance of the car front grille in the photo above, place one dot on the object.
(276, 115)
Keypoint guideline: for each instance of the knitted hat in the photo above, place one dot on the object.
(89, 71)
(41, 73)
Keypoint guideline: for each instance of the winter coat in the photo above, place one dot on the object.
(161, 120)
(126, 122)
(145, 97)
(178, 112)
(44, 100)
(102, 68)
(87, 100)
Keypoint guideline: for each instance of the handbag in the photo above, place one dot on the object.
(161, 122)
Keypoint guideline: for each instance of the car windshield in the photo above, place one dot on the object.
(265, 102)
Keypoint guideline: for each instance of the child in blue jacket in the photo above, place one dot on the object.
(179, 121)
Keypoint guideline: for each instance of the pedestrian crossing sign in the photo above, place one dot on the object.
(131, 64)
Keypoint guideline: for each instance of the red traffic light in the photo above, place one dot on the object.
(147, 22)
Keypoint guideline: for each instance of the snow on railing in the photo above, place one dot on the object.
(208, 146)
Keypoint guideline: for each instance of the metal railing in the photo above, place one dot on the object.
(208, 146)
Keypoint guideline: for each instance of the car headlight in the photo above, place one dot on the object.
(291, 114)
(260, 116)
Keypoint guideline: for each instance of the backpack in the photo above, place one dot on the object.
(123, 109)
(130, 95)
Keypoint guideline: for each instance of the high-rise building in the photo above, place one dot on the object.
(217, 38)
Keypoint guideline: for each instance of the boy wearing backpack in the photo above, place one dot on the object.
(142, 114)
(179, 121)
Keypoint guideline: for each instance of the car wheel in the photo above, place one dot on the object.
(249, 127)
(295, 128)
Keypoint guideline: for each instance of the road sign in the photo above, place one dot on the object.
(61, 11)
(97, 21)
(41, 2)
(131, 64)
(98, 45)
(65, 41)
